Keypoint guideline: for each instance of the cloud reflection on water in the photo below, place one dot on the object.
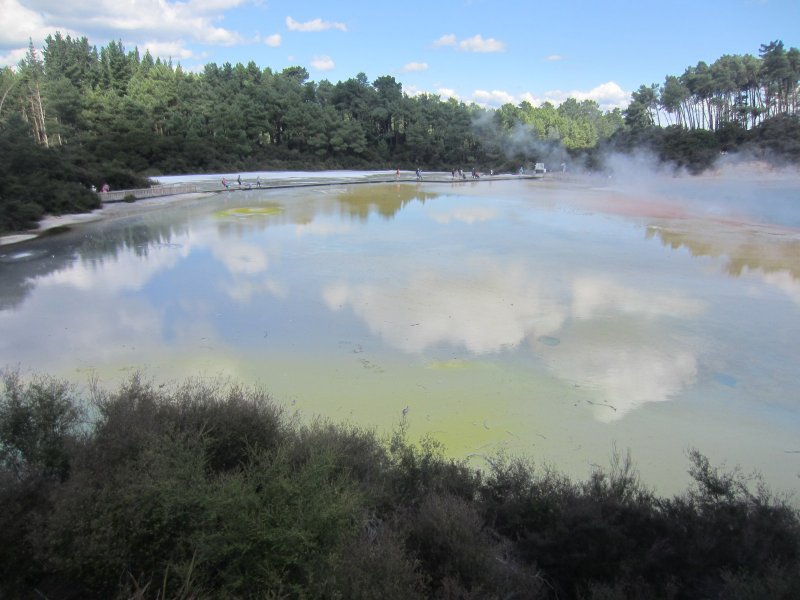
(115, 273)
(624, 364)
(72, 336)
(496, 307)
(241, 257)
(612, 342)
(467, 214)
(784, 281)
(596, 296)
(615, 337)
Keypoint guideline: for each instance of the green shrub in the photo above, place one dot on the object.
(416, 471)
(776, 583)
(38, 421)
(463, 557)
(374, 565)
(233, 419)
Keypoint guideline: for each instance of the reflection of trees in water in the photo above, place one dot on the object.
(751, 250)
(93, 242)
(353, 201)
(18, 274)
(138, 236)
(386, 200)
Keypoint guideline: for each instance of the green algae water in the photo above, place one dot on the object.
(554, 319)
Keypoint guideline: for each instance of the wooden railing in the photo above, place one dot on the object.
(151, 192)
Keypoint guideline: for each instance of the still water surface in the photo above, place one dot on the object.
(548, 318)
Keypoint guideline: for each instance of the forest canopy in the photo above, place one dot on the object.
(73, 116)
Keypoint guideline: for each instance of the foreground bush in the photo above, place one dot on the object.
(208, 490)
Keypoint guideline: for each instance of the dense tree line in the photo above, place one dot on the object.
(151, 116)
(114, 116)
(210, 491)
(738, 103)
(741, 90)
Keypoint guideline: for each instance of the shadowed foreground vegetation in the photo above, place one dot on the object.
(209, 490)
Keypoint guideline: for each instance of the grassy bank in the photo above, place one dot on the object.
(208, 490)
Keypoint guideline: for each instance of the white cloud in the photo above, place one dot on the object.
(415, 66)
(165, 50)
(21, 24)
(273, 41)
(478, 44)
(323, 63)
(446, 93)
(446, 40)
(196, 68)
(554, 58)
(12, 58)
(608, 95)
(314, 25)
(493, 98)
(213, 5)
(474, 44)
(537, 100)
(102, 20)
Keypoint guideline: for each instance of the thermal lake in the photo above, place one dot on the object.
(555, 318)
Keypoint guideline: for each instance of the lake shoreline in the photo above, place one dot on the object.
(298, 179)
(118, 209)
(112, 210)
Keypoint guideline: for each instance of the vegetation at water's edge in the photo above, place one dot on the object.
(211, 491)
(75, 117)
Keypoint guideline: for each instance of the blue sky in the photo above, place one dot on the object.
(484, 51)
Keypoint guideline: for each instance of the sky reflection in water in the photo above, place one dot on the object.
(553, 319)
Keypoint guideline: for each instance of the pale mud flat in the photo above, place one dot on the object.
(113, 210)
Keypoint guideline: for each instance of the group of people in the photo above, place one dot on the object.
(227, 184)
(458, 173)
